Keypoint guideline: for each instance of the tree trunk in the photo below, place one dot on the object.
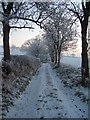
(52, 56)
(84, 25)
(85, 68)
(59, 52)
(58, 58)
(6, 31)
(55, 54)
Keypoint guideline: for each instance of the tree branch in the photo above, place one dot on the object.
(74, 6)
(76, 13)
(83, 7)
(22, 18)
(9, 7)
(3, 7)
(21, 27)
(39, 16)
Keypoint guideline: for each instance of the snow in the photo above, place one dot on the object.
(73, 61)
(1, 52)
(22, 69)
(13, 51)
(16, 51)
(46, 97)
(70, 60)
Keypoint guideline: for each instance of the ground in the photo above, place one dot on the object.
(47, 97)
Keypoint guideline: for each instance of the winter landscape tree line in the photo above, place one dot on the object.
(57, 19)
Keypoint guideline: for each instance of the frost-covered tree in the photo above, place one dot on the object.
(49, 40)
(81, 11)
(37, 47)
(59, 30)
(19, 15)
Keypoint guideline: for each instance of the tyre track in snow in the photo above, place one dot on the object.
(50, 104)
(45, 98)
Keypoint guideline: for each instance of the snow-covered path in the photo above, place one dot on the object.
(46, 97)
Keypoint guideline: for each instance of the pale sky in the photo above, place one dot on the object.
(19, 36)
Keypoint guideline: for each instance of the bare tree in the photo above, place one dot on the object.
(82, 13)
(49, 38)
(19, 15)
(59, 30)
(6, 29)
(37, 47)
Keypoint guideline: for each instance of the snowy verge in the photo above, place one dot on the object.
(21, 70)
(74, 61)
(71, 78)
(46, 97)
